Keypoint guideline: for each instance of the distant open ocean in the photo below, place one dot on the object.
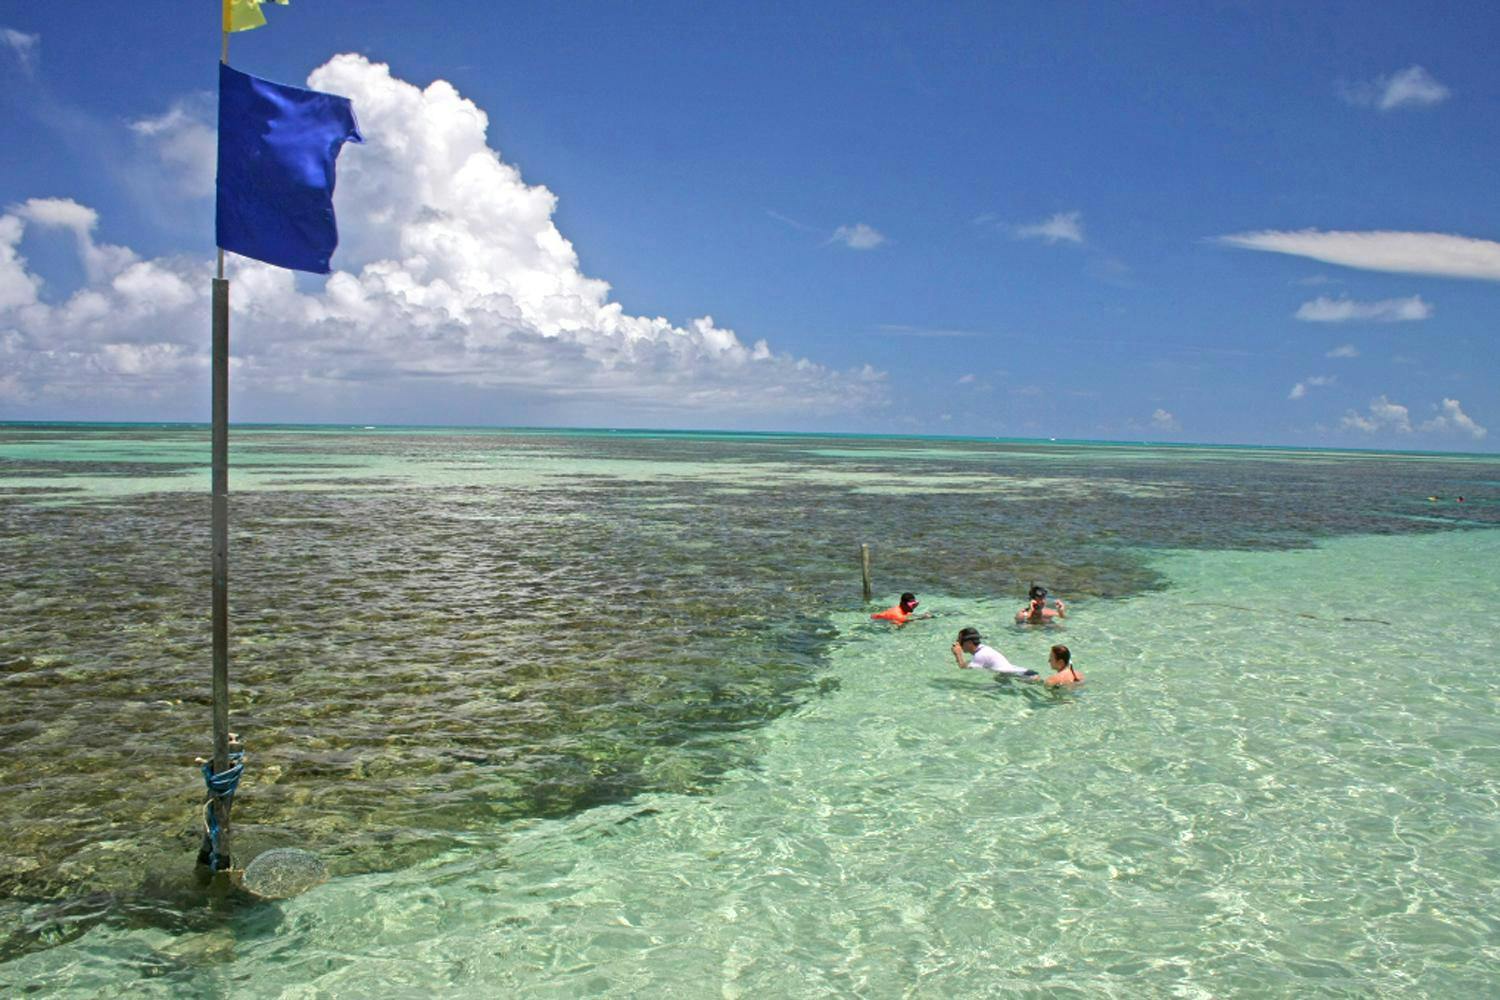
(596, 713)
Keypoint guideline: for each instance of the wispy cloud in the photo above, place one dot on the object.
(1311, 382)
(925, 331)
(858, 236)
(1164, 421)
(1412, 87)
(23, 46)
(1326, 310)
(793, 223)
(966, 379)
(1451, 419)
(185, 141)
(1343, 351)
(1112, 270)
(1064, 227)
(1382, 250)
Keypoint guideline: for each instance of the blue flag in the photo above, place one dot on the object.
(277, 146)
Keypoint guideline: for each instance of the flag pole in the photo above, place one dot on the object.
(274, 204)
(215, 850)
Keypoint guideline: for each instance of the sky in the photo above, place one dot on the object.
(1239, 223)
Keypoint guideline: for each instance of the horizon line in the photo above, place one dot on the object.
(1109, 442)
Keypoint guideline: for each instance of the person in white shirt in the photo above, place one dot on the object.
(982, 657)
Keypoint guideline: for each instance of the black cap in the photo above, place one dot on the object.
(968, 635)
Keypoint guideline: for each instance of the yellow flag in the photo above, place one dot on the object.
(242, 15)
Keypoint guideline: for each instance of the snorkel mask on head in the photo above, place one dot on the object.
(1038, 593)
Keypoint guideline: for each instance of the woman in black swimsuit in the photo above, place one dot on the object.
(1063, 671)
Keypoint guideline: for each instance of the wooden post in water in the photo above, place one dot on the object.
(864, 562)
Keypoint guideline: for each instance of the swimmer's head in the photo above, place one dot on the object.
(909, 601)
(968, 635)
(1038, 593)
(1062, 655)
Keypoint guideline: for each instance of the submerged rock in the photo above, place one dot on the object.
(283, 872)
(214, 947)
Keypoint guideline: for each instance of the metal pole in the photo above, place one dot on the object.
(864, 561)
(219, 500)
(221, 551)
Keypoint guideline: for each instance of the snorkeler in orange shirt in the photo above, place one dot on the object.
(901, 613)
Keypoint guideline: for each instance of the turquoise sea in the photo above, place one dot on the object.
(593, 713)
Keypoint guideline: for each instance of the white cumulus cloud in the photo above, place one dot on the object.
(858, 236)
(1325, 310)
(1378, 250)
(1382, 415)
(1311, 382)
(1451, 419)
(18, 286)
(1343, 351)
(1412, 87)
(451, 273)
(1063, 227)
(101, 261)
(1162, 420)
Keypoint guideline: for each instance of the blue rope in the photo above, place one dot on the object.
(221, 786)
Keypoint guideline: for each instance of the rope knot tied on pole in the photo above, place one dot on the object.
(221, 789)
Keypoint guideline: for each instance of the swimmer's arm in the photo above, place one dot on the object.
(958, 655)
(1062, 609)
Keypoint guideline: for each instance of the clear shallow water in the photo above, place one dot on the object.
(730, 782)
